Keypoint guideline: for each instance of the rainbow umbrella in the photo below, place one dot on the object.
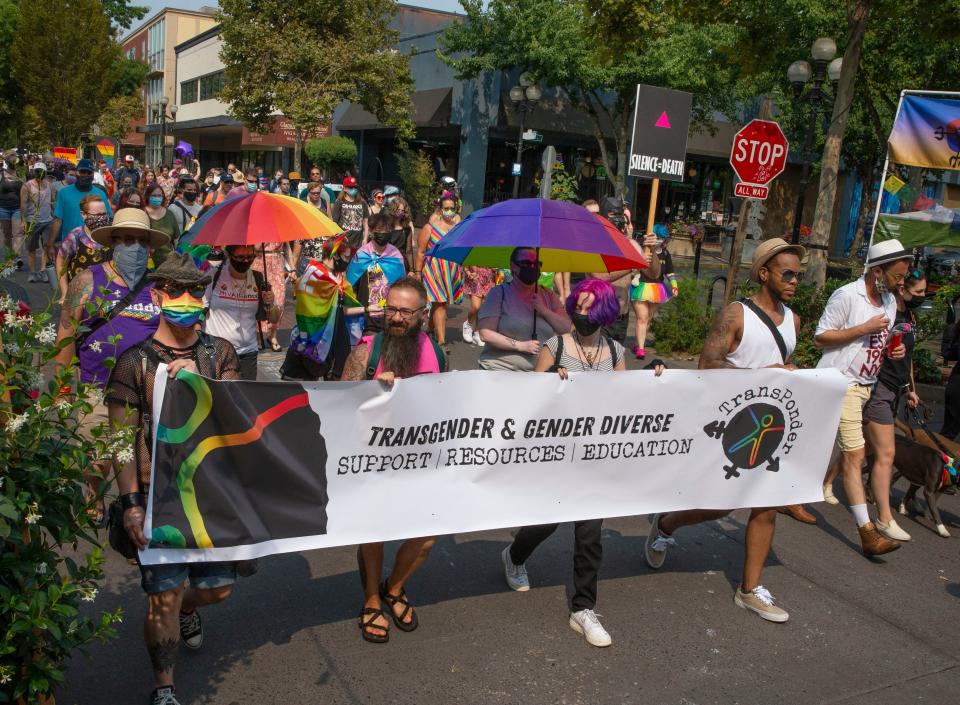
(568, 237)
(259, 217)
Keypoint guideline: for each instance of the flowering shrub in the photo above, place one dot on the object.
(690, 230)
(44, 508)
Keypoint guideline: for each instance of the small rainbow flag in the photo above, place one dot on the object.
(68, 153)
(317, 311)
(107, 150)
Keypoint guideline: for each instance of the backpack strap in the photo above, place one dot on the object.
(206, 340)
(556, 358)
(261, 284)
(613, 351)
(441, 357)
(121, 304)
(765, 319)
(373, 359)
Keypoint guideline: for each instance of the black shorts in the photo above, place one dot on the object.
(881, 407)
(302, 369)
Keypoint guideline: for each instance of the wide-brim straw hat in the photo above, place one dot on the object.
(769, 249)
(129, 220)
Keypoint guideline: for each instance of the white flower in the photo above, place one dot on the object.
(63, 404)
(89, 594)
(95, 346)
(6, 672)
(8, 304)
(42, 569)
(34, 379)
(47, 335)
(125, 455)
(32, 516)
(11, 348)
(7, 271)
(15, 423)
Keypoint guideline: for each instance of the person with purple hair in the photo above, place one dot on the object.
(592, 304)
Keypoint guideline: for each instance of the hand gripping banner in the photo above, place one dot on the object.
(247, 469)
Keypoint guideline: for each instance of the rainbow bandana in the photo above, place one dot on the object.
(183, 311)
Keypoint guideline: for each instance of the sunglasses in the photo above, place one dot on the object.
(129, 239)
(175, 290)
(788, 275)
(237, 258)
(528, 263)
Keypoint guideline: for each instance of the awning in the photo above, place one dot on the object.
(200, 123)
(431, 108)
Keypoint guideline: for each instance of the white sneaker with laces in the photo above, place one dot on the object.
(477, 340)
(587, 622)
(516, 575)
(467, 332)
(760, 600)
(655, 550)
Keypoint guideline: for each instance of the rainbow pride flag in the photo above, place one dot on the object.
(318, 299)
(926, 133)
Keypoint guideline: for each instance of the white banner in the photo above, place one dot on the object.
(247, 469)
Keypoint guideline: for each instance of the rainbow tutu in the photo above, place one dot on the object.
(652, 292)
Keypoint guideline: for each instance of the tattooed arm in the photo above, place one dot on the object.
(723, 338)
(355, 368)
(79, 293)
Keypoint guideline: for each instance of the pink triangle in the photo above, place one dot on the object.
(663, 120)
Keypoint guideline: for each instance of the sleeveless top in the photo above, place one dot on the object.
(427, 364)
(757, 347)
(134, 324)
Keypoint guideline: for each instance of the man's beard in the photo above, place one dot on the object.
(401, 350)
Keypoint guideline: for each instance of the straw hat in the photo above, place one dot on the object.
(129, 220)
(769, 249)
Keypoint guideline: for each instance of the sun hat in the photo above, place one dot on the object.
(769, 249)
(887, 251)
(129, 220)
(179, 267)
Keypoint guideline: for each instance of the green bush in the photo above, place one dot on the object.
(563, 186)
(925, 367)
(683, 322)
(332, 153)
(419, 181)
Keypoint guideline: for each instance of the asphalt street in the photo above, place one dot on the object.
(864, 631)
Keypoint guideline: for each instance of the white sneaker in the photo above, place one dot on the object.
(467, 332)
(655, 550)
(477, 340)
(33, 278)
(516, 575)
(828, 495)
(892, 530)
(586, 622)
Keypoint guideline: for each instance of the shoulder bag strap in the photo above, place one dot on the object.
(373, 359)
(125, 301)
(765, 319)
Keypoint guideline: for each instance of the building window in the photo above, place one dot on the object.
(188, 91)
(154, 93)
(155, 41)
(211, 85)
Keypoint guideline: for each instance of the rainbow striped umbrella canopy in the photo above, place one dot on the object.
(255, 218)
(569, 238)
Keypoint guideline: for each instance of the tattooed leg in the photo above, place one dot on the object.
(161, 632)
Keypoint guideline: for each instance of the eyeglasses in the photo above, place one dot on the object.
(130, 239)
(314, 193)
(391, 311)
(175, 290)
(378, 197)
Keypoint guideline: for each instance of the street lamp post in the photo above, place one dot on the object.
(824, 66)
(524, 97)
(160, 108)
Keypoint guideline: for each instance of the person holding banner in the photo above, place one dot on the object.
(757, 332)
(518, 317)
(591, 305)
(402, 350)
(853, 332)
(172, 613)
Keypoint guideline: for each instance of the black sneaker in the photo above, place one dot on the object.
(191, 629)
(164, 696)
(19, 263)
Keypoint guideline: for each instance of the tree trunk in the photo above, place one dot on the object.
(830, 167)
(297, 147)
(736, 252)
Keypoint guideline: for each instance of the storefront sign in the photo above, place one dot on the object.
(661, 122)
(281, 134)
(246, 469)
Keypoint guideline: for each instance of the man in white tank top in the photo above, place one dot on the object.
(741, 339)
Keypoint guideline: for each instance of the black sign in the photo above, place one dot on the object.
(661, 122)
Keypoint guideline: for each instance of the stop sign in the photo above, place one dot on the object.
(758, 156)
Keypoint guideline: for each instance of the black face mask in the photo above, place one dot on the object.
(583, 325)
(240, 267)
(528, 275)
(380, 238)
(189, 196)
(340, 266)
(84, 182)
(915, 302)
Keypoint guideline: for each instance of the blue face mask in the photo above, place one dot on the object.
(251, 187)
(156, 201)
(351, 192)
(130, 261)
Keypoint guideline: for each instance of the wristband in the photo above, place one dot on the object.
(132, 499)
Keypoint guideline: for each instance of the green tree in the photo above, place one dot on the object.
(419, 180)
(122, 13)
(127, 76)
(62, 56)
(596, 52)
(332, 153)
(9, 88)
(305, 58)
(118, 115)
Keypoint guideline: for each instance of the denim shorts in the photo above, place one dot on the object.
(203, 576)
(9, 213)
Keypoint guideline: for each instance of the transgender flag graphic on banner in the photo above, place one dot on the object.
(926, 133)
